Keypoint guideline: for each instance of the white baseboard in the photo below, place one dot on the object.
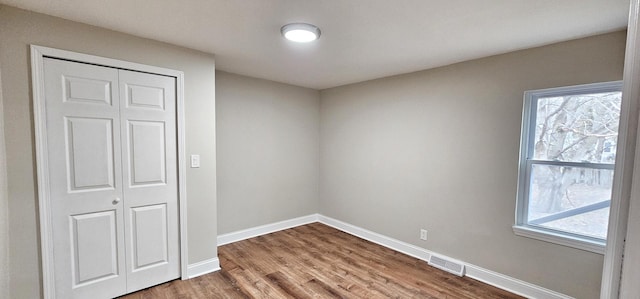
(385, 241)
(265, 229)
(202, 268)
(511, 284)
(498, 280)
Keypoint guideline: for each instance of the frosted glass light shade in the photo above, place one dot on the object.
(300, 32)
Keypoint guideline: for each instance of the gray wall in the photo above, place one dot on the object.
(268, 151)
(19, 29)
(438, 149)
(4, 204)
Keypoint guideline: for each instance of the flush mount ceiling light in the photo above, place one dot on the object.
(300, 32)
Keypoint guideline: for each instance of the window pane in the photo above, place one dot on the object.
(570, 199)
(577, 128)
(592, 224)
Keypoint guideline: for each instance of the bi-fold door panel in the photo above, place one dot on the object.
(150, 176)
(83, 136)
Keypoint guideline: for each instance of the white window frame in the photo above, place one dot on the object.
(521, 227)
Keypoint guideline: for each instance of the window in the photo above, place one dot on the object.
(567, 156)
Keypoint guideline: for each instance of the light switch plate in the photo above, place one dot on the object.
(195, 161)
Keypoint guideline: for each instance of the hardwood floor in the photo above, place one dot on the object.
(317, 261)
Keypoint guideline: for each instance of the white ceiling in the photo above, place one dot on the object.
(361, 39)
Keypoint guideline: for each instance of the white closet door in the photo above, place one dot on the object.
(149, 149)
(113, 184)
(83, 136)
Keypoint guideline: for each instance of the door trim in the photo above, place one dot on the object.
(625, 176)
(38, 53)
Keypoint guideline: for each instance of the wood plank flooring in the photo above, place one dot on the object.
(318, 261)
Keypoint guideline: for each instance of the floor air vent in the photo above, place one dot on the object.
(450, 266)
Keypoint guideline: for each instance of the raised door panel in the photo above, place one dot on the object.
(95, 247)
(149, 235)
(147, 157)
(145, 97)
(89, 153)
(87, 90)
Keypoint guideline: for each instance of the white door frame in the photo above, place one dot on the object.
(627, 184)
(629, 277)
(37, 76)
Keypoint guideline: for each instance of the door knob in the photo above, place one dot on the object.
(116, 200)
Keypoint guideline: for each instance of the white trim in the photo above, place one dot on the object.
(561, 239)
(182, 175)
(265, 229)
(495, 279)
(202, 268)
(628, 282)
(588, 88)
(109, 62)
(42, 168)
(624, 171)
(37, 72)
(629, 287)
(511, 284)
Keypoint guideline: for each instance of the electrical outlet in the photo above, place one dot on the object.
(423, 234)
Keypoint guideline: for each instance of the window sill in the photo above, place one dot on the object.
(582, 244)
